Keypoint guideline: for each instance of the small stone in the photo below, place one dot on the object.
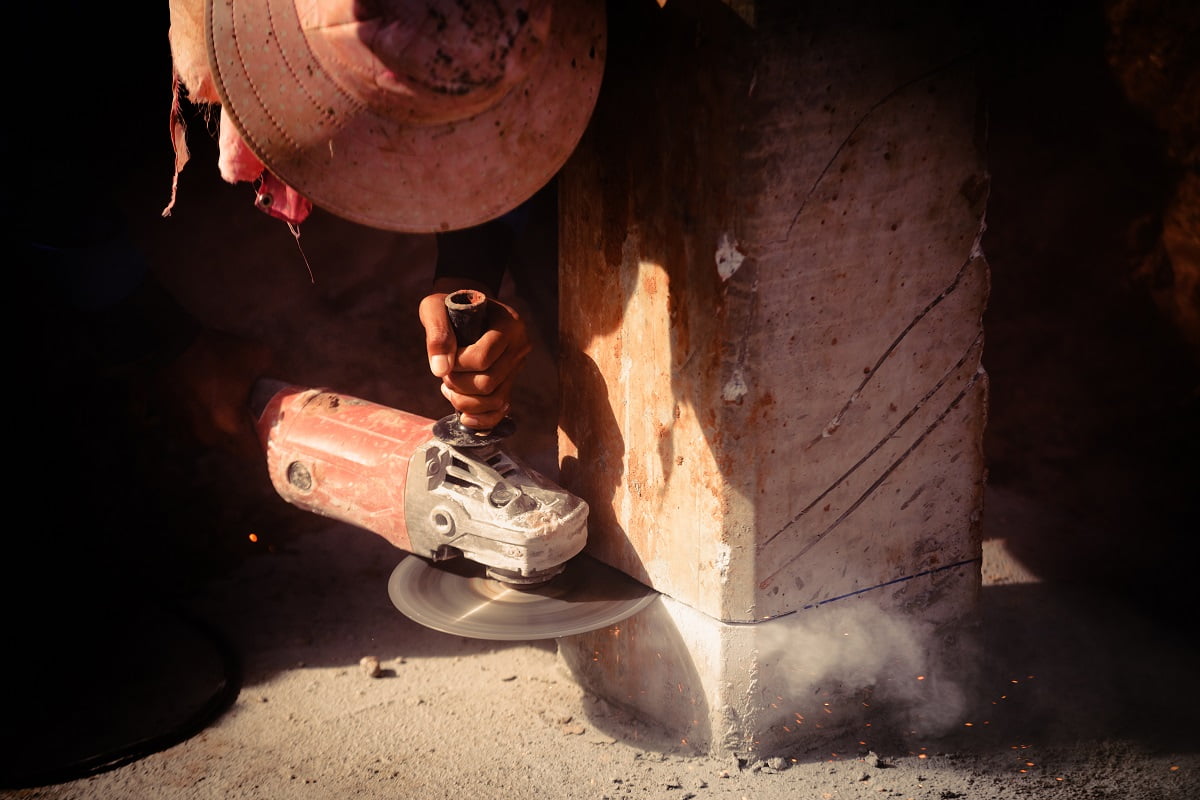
(370, 666)
(778, 764)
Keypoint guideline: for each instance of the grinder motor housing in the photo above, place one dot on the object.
(381, 469)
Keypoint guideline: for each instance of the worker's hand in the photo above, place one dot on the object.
(208, 388)
(478, 379)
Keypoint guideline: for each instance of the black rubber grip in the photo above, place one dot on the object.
(467, 309)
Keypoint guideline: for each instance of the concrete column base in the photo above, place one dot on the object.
(771, 305)
(861, 665)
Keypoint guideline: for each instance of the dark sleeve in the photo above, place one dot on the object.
(480, 254)
(485, 253)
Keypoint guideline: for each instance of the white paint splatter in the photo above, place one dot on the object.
(728, 257)
(735, 389)
(723, 559)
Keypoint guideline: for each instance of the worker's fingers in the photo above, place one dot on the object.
(207, 386)
(489, 381)
(439, 336)
(477, 379)
(480, 411)
(503, 344)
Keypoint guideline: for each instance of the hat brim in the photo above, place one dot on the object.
(373, 170)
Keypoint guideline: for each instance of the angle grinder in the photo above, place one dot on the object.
(496, 548)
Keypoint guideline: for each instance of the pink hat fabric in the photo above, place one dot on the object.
(409, 115)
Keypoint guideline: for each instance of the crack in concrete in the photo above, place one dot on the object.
(954, 284)
(854, 129)
(886, 473)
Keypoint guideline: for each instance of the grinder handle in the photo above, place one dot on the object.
(467, 310)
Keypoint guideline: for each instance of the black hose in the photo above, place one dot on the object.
(207, 713)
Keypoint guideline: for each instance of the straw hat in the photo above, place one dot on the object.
(409, 115)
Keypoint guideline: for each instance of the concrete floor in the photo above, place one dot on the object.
(1079, 696)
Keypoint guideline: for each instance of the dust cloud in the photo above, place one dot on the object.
(853, 665)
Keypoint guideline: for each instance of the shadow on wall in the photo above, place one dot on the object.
(1095, 410)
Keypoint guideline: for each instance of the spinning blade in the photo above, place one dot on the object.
(456, 597)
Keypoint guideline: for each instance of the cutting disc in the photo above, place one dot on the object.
(456, 597)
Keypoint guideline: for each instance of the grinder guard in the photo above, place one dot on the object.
(379, 468)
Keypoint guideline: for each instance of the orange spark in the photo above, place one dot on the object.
(253, 537)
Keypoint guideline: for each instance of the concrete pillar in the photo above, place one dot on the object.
(771, 326)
